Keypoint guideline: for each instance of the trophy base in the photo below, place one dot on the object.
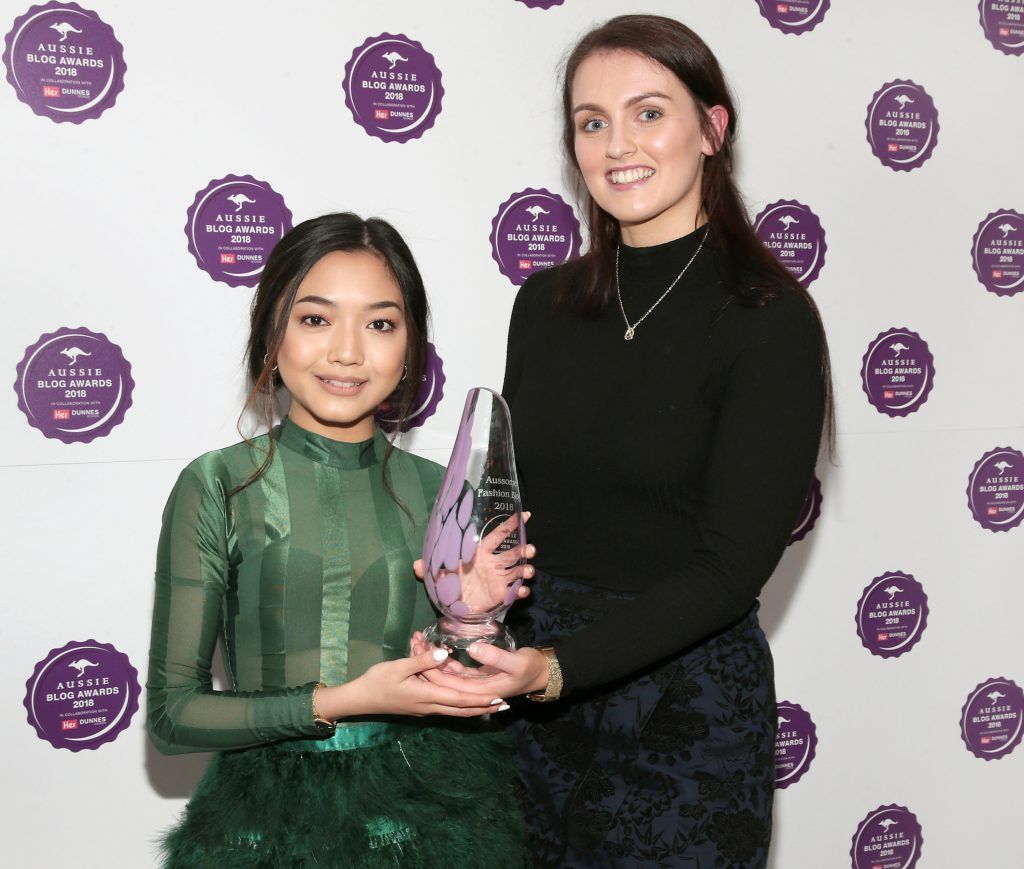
(457, 637)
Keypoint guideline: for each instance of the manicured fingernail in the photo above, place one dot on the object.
(504, 707)
(495, 701)
(440, 654)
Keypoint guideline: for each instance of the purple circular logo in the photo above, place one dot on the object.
(233, 224)
(794, 16)
(795, 742)
(793, 233)
(428, 397)
(1003, 23)
(533, 230)
(892, 614)
(998, 252)
(809, 513)
(995, 490)
(541, 4)
(74, 385)
(903, 125)
(897, 372)
(393, 88)
(64, 62)
(888, 838)
(82, 695)
(992, 719)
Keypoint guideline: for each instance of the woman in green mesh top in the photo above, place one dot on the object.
(295, 549)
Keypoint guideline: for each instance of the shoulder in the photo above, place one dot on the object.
(786, 319)
(417, 470)
(425, 467)
(538, 291)
(219, 471)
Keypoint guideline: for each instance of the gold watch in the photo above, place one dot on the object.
(553, 690)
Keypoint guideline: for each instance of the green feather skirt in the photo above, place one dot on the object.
(375, 795)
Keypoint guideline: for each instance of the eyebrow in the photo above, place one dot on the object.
(632, 101)
(373, 306)
(316, 300)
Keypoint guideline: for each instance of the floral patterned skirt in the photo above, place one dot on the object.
(673, 768)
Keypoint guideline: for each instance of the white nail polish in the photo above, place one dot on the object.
(496, 701)
(503, 707)
(440, 654)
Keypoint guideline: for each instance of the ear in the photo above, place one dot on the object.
(719, 118)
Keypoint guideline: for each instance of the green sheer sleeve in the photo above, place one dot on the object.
(193, 569)
(306, 577)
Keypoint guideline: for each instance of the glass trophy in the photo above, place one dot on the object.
(473, 549)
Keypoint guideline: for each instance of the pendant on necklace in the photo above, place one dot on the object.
(629, 333)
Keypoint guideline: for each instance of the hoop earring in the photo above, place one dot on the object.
(273, 370)
(405, 372)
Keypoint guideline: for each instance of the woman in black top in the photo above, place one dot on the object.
(667, 393)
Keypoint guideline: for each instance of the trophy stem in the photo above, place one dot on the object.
(457, 637)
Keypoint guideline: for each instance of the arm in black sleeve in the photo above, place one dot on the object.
(757, 477)
(516, 349)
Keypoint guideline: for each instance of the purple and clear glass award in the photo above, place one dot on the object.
(472, 552)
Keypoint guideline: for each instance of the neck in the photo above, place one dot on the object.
(352, 433)
(658, 231)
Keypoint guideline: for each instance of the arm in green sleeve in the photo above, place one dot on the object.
(184, 712)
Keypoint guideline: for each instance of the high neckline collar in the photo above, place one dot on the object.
(335, 454)
(666, 253)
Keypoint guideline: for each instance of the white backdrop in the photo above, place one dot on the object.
(93, 236)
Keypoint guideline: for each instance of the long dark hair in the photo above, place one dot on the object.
(751, 273)
(288, 264)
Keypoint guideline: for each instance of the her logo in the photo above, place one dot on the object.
(91, 66)
(795, 236)
(393, 87)
(997, 252)
(902, 139)
(534, 229)
(992, 719)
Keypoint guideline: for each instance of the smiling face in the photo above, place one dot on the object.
(639, 145)
(344, 348)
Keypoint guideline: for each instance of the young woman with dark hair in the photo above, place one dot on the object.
(668, 392)
(295, 548)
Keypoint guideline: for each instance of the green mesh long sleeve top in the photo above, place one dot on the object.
(305, 576)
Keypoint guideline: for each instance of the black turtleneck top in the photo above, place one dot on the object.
(673, 465)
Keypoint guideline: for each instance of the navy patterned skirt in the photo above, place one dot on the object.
(673, 768)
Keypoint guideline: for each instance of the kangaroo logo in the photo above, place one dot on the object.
(995, 696)
(535, 211)
(787, 220)
(1003, 466)
(394, 57)
(888, 822)
(240, 199)
(898, 348)
(82, 663)
(1006, 229)
(73, 353)
(63, 28)
(903, 99)
(892, 591)
(783, 720)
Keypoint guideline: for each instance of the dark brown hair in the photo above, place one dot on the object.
(751, 273)
(288, 264)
